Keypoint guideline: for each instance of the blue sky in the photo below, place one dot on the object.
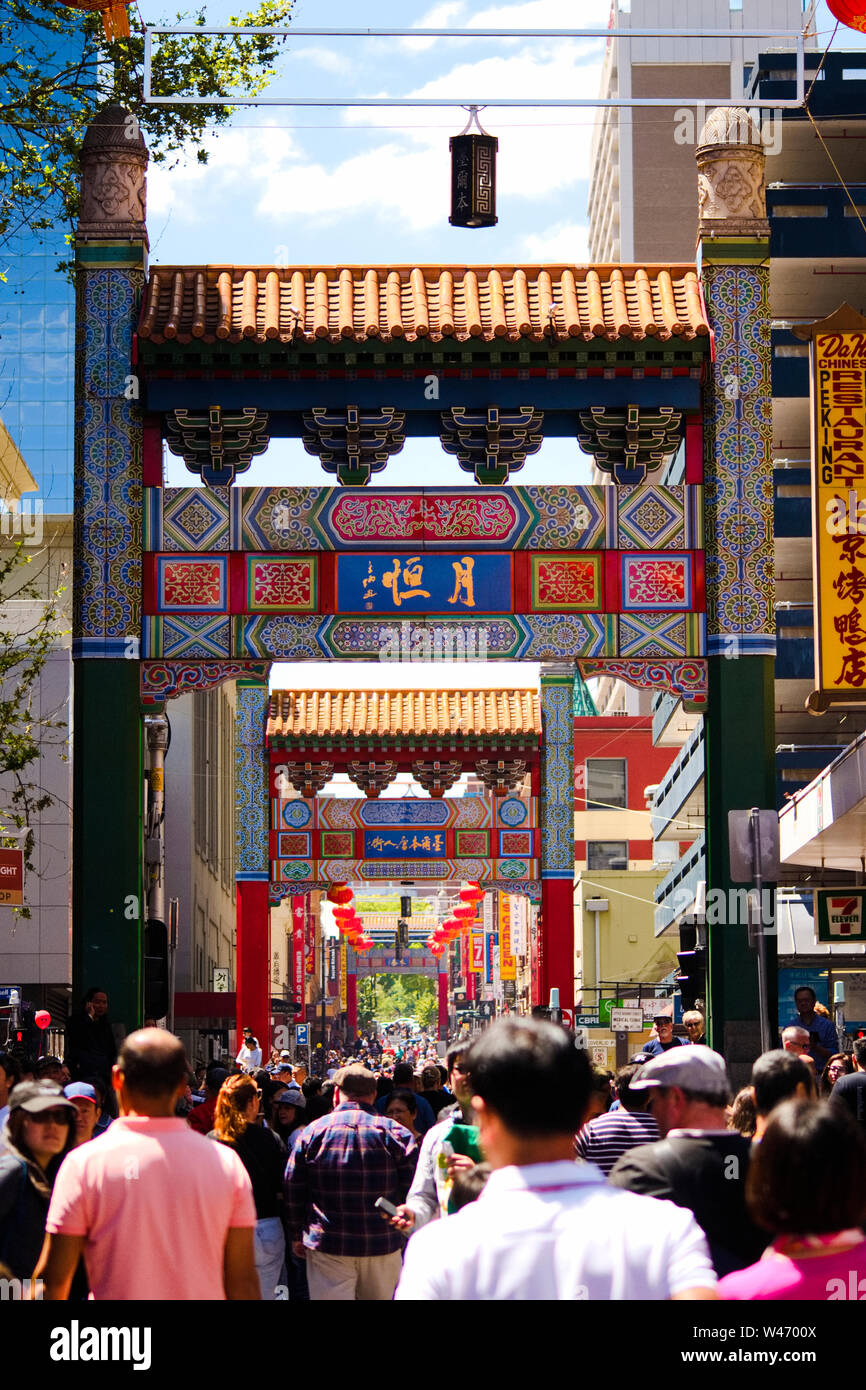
(322, 186)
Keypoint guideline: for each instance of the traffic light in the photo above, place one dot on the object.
(692, 977)
(155, 969)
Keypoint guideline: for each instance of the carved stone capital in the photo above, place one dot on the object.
(731, 189)
(113, 185)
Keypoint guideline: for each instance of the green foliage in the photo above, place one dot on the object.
(24, 733)
(62, 71)
(397, 996)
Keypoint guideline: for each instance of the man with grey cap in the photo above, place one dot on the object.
(698, 1163)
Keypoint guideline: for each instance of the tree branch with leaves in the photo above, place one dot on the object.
(63, 71)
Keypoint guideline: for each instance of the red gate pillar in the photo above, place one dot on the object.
(443, 1005)
(352, 1004)
(556, 815)
(253, 950)
(252, 870)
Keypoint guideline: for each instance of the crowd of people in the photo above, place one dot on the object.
(510, 1170)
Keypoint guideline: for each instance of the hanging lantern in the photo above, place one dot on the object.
(470, 895)
(464, 912)
(850, 12)
(340, 893)
(473, 176)
(115, 20)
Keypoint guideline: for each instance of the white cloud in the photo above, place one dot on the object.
(326, 58)
(564, 242)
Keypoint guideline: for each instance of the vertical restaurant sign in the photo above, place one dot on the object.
(476, 964)
(344, 974)
(507, 960)
(838, 385)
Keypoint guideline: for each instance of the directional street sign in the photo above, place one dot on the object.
(626, 1020)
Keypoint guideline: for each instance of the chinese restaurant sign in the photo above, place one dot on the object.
(839, 523)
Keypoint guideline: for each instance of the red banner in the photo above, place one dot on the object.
(299, 908)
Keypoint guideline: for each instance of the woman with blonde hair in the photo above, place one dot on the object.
(264, 1156)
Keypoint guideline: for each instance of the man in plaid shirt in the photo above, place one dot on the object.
(339, 1166)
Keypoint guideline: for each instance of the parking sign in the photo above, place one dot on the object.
(302, 1034)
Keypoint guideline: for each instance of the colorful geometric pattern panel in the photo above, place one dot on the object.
(277, 583)
(188, 584)
(292, 813)
(251, 783)
(556, 812)
(294, 844)
(738, 463)
(536, 517)
(656, 582)
(660, 518)
(567, 583)
(515, 813)
(471, 842)
(197, 636)
(685, 678)
(337, 844)
(662, 634)
(108, 470)
(515, 842)
(327, 871)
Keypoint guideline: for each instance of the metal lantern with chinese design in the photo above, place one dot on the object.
(473, 176)
(115, 20)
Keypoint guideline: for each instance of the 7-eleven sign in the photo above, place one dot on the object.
(840, 915)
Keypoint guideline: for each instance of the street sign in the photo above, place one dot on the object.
(741, 845)
(11, 877)
(302, 1034)
(220, 980)
(626, 1020)
(587, 1021)
(604, 1009)
(6, 992)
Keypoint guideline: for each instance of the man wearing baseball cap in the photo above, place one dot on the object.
(88, 1109)
(698, 1163)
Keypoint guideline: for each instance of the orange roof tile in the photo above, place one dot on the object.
(305, 305)
(479, 716)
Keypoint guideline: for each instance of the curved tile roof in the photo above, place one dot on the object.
(212, 304)
(307, 716)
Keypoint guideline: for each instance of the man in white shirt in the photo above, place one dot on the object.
(250, 1055)
(546, 1228)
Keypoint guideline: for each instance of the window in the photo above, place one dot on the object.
(605, 784)
(606, 854)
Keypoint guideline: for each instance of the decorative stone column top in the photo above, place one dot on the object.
(113, 187)
(731, 189)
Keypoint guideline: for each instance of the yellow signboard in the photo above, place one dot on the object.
(507, 961)
(839, 509)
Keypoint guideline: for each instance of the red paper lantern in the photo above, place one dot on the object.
(464, 911)
(340, 893)
(850, 12)
(470, 895)
(115, 20)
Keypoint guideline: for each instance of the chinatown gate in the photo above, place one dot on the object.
(669, 587)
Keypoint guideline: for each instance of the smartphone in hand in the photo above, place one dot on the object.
(387, 1208)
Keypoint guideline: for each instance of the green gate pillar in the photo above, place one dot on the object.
(733, 246)
(110, 256)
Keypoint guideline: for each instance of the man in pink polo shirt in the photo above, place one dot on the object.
(159, 1212)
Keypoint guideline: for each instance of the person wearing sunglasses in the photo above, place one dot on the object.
(38, 1133)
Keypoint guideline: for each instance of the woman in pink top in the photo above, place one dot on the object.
(805, 1184)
